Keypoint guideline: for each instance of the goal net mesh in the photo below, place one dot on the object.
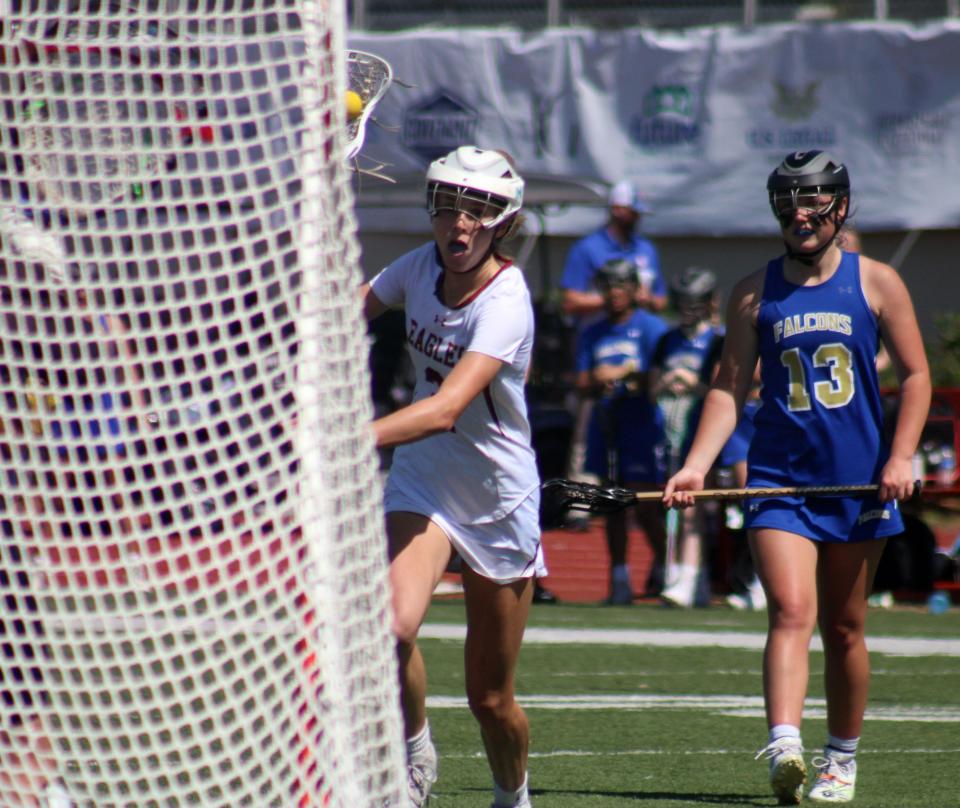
(192, 561)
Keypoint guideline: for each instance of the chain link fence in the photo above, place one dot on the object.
(393, 15)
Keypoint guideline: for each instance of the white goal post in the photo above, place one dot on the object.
(194, 605)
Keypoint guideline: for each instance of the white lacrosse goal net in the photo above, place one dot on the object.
(192, 562)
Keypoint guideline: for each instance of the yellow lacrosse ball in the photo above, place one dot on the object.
(354, 105)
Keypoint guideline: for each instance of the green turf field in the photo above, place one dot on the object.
(652, 714)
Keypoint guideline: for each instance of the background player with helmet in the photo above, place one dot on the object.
(625, 432)
(681, 370)
(464, 483)
(814, 317)
(582, 298)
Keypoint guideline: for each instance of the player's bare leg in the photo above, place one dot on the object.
(420, 552)
(846, 575)
(786, 563)
(496, 618)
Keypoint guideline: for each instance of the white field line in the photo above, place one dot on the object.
(608, 753)
(895, 646)
(731, 706)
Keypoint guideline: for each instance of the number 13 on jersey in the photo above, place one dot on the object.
(837, 391)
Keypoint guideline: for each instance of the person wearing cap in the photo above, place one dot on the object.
(618, 238)
(583, 301)
(814, 316)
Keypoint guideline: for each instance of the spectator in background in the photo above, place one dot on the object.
(583, 300)
(625, 433)
(618, 238)
(682, 368)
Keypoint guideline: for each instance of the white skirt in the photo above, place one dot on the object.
(503, 551)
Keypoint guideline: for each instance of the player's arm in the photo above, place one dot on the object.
(729, 390)
(439, 412)
(580, 303)
(373, 307)
(888, 296)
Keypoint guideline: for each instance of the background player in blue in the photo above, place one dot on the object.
(625, 433)
(681, 370)
(813, 316)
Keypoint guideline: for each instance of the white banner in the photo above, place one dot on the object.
(697, 118)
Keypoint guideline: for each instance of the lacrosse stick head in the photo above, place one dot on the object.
(559, 496)
(370, 77)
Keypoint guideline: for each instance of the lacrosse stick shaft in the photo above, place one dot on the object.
(785, 491)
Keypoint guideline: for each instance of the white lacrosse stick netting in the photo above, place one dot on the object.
(369, 77)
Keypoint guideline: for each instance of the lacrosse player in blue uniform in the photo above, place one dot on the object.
(681, 370)
(815, 317)
(625, 432)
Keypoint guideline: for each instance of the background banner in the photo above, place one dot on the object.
(697, 118)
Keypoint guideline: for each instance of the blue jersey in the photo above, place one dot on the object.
(626, 418)
(820, 419)
(698, 354)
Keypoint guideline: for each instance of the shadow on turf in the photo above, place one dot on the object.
(665, 796)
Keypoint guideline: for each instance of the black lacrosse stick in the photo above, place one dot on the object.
(559, 496)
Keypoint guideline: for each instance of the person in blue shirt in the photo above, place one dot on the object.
(681, 371)
(582, 299)
(815, 317)
(618, 238)
(625, 433)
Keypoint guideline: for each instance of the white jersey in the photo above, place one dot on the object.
(484, 467)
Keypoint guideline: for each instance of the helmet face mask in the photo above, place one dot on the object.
(693, 294)
(481, 183)
(816, 201)
(618, 273)
(480, 206)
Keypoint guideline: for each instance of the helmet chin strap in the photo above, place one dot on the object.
(811, 257)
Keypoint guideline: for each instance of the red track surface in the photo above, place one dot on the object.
(579, 565)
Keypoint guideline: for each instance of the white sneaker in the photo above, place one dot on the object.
(753, 599)
(788, 772)
(836, 778)
(758, 598)
(681, 590)
(421, 775)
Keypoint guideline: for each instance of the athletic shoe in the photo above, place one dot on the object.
(788, 772)
(421, 775)
(680, 592)
(836, 778)
(524, 803)
(621, 594)
(753, 599)
(543, 595)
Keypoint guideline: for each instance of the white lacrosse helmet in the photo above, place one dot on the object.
(479, 182)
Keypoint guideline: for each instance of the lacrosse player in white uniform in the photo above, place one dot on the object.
(464, 483)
